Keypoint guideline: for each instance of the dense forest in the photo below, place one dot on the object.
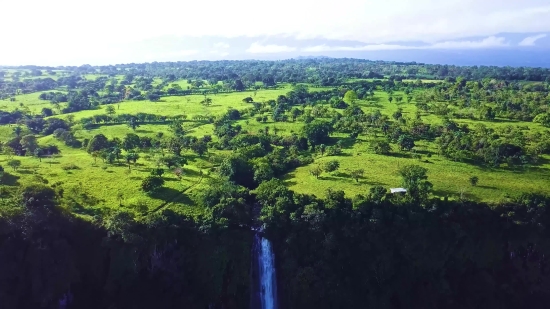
(373, 251)
(62, 247)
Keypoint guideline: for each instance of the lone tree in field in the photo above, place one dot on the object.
(316, 171)
(110, 110)
(120, 197)
(207, 101)
(331, 166)
(474, 180)
(14, 164)
(415, 180)
(356, 174)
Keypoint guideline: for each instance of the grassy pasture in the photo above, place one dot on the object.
(103, 181)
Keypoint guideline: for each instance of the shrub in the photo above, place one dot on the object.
(152, 183)
(69, 166)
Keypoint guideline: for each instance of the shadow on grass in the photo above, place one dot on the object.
(347, 142)
(375, 183)
(145, 131)
(399, 155)
(25, 172)
(165, 194)
(487, 187)
(288, 179)
(184, 199)
(90, 211)
(445, 193)
(9, 180)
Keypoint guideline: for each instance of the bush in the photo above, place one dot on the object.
(69, 166)
(331, 166)
(152, 183)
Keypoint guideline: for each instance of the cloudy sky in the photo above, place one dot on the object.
(63, 32)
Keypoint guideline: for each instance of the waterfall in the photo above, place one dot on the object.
(266, 281)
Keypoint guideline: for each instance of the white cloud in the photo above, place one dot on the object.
(221, 45)
(490, 42)
(369, 22)
(530, 40)
(257, 48)
(372, 47)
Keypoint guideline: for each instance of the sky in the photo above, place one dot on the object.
(101, 32)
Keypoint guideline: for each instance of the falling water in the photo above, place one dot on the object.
(266, 280)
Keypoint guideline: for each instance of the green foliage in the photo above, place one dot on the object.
(317, 132)
(357, 174)
(331, 166)
(151, 184)
(415, 180)
(543, 119)
(98, 143)
(316, 171)
(350, 97)
(474, 180)
(14, 164)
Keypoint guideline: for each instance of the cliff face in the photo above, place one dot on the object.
(44, 257)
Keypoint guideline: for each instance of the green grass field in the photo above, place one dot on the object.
(104, 181)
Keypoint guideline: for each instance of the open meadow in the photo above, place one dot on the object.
(93, 184)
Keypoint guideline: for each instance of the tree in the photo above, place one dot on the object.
(133, 123)
(415, 180)
(390, 99)
(151, 184)
(377, 194)
(238, 85)
(206, 102)
(95, 155)
(38, 152)
(153, 97)
(350, 97)
(110, 110)
(381, 147)
(331, 166)
(120, 197)
(295, 113)
(406, 142)
(14, 164)
(131, 157)
(322, 149)
(316, 171)
(46, 112)
(263, 172)
(17, 131)
(356, 174)
(318, 131)
(474, 180)
(199, 147)
(29, 143)
(176, 127)
(173, 160)
(97, 143)
(130, 141)
(157, 172)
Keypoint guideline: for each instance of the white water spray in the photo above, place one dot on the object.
(267, 278)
